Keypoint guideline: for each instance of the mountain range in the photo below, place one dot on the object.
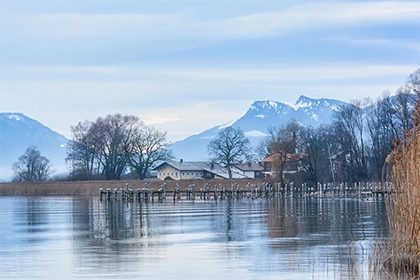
(18, 132)
(259, 117)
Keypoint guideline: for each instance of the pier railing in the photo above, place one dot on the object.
(362, 190)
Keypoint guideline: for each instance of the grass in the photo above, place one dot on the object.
(92, 187)
(402, 254)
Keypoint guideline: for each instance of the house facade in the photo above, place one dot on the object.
(178, 171)
(183, 170)
(292, 165)
(249, 170)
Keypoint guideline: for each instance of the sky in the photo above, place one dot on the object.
(186, 66)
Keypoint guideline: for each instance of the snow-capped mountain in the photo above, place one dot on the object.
(18, 132)
(260, 116)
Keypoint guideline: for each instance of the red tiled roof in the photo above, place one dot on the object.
(271, 158)
(290, 157)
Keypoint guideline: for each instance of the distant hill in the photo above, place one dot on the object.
(18, 132)
(261, 115)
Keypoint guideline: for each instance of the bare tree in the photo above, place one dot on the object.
(314, 143)
(108, 146)
(148, 146)
(112, 136)
(349, 128)
(382, 130)
(32, 166)
(82, 153)
(229, 147)
(282, 141)
(404, 106)
(413, 82)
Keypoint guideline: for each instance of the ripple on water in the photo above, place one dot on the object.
(81, 237)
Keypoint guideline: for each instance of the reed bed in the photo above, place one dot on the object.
(402, 254)
(92, 187)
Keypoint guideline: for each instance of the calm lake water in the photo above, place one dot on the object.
(83, 238)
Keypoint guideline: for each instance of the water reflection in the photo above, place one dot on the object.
(335, 221)
(238, 239)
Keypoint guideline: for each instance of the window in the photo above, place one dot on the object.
(183, 173)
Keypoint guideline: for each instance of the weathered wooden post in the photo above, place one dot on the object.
(319, 189)
(292, 189)
(164, 191)
(345, 189)
(187, 192)
(131, 194)
(174, 191)
(193, 192)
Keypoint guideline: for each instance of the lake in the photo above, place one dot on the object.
(281, 238)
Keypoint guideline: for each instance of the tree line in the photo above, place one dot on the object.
(353, 148)
(106, 148)
(112, 146)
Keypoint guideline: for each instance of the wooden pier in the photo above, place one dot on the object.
(365, 190)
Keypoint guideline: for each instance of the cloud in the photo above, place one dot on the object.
(382, 42)
(114, 88)
(288, 73)
(86, 88)
(181, 100)
(186, 74)
(93, 26)
(144, 61)
(140, 27)
(312, 16)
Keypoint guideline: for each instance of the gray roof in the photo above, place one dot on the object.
(182, 166)
(249, 167)
(214, 168)
(218, 170)
(208, 166)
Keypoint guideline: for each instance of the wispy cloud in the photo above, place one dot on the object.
(115, 88)
(265, 24)
(290, 73)
(186, 66)
(312, 16)
(181, 100)
(242, 73)
(58, 25)
(379, 42)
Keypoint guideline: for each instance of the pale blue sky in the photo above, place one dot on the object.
(185, 66)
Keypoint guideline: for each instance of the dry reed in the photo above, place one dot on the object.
(403, 250)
